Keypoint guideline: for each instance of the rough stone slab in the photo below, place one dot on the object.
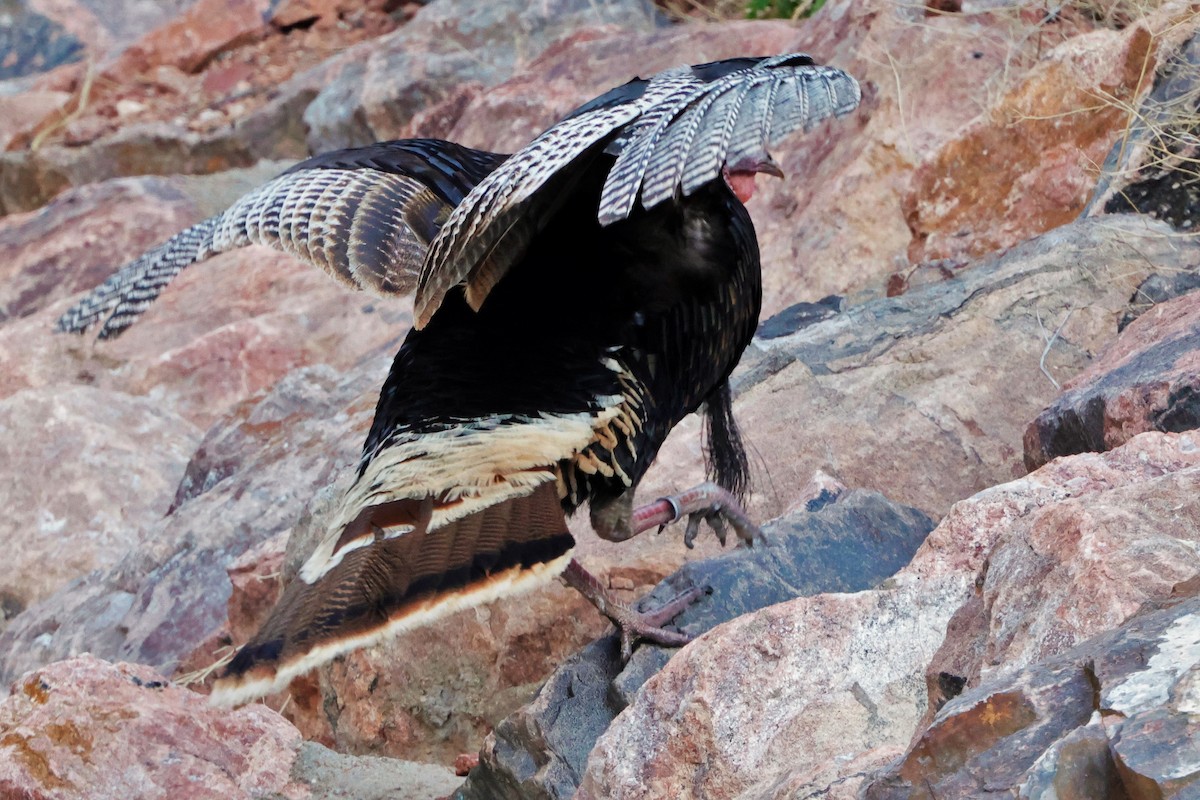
(63, 449)
(88, 728)
(1113, 717)
(337, 776)
(1027, 165)
(163, 598)
(1148, 379)
(1102, 534)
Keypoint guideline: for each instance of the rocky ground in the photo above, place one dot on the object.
(972, 415)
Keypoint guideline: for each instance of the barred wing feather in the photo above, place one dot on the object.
(365, 216)
(671, 134)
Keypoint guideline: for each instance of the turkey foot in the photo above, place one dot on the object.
(632, 624)
(707, 502)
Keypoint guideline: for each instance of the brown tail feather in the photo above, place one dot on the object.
(401, 583)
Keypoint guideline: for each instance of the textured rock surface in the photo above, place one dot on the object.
(73, 243)
(375, 94)
(334, 776)
(40, 35)
(768, 675)
(1037, 146)
(285, 100)
(167, 596)
(193, 38)
(87, 728)
(851, 544)
(52, 441)
(1148, 379)
(1113, 718)
(1101, 535)
(1159, 288)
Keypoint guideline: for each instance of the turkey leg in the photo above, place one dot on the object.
(632, 624)
(707, 502)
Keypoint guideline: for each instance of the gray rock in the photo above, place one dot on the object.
(1038, 733)
(1148, 379)
(374, 92)
(336, 776)
(851, 544)
(1159, 288)
(31, 43)
(805, 699)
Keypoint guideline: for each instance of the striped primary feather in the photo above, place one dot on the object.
(664, 168)
(671, 134)
(753, 126)
(707, 153)
(129, 291)
(366, 216)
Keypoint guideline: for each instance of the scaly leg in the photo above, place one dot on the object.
(632, 624)
(707, 502)
(616, 520)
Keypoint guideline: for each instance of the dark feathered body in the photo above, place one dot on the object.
(671, 296)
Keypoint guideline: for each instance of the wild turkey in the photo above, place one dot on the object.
(562, 329)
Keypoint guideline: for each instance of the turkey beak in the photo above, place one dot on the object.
(768, 167)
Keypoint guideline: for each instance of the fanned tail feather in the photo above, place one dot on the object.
(399, 581)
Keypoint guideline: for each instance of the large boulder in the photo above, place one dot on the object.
(1111, 719)
(64, 516)
(804, 727)
(89, 728)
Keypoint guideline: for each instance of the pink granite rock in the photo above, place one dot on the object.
(72, 244)
(1029, 163)
(823, 681)
(194, 37)
(1084, 563)
(1148, 379)
(250, 478)
(87, 728)
(63, 510)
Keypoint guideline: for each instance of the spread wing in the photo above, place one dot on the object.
(671, 134)
(366, 216)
